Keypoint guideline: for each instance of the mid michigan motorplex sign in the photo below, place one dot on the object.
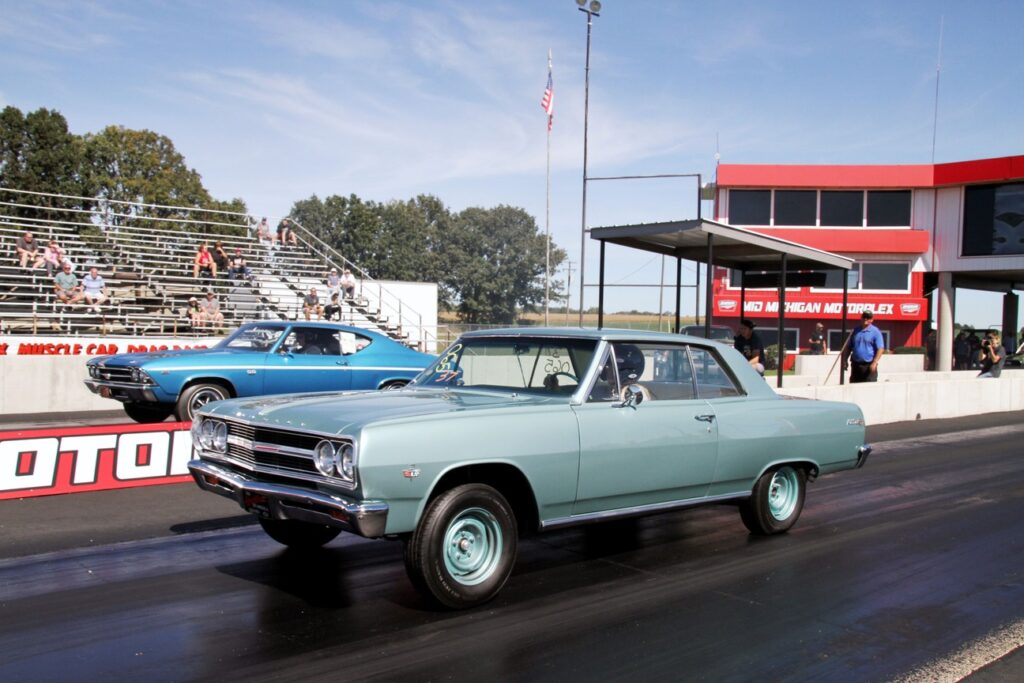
(43, 462)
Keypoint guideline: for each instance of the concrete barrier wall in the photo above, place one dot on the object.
(889, 363)
(924, 399)
(47, 384)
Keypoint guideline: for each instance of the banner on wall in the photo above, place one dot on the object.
(883, 309)
(33, 345)
(46, 462)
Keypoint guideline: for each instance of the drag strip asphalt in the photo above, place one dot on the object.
(914, 561)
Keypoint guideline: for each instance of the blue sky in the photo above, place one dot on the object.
(274, 102)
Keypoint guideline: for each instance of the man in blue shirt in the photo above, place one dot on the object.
(866, 345)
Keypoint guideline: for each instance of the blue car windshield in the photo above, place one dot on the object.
(253, 338)
(535, 365)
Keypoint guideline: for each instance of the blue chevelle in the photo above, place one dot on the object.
(258, 358)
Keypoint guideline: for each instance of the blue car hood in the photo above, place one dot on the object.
(140, 359)
(336, 413)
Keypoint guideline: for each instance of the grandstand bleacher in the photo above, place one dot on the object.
(148, 272)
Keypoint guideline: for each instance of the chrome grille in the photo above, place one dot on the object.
(267, 453)
(115, 374)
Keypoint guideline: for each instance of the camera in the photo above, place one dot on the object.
(987, 343)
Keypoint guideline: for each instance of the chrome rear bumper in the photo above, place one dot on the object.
(279, 501)
(862, 455)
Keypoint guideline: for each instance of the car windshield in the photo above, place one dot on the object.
(520, 364)
(253, 338)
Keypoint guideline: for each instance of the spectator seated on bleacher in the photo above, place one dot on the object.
(334, 308)
(94, 290)
(66, 286)
(264, 235)
(348, 284)
(220, 258)
(285, 233)
(210, 308)
(195, 314)
(54, 258)
(333, 282)
(29, 254)
(311, 304)
(239, 271)
(204, 262)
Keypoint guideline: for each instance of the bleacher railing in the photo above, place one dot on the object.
(149, 248)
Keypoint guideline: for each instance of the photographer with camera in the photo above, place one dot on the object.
(991, 355)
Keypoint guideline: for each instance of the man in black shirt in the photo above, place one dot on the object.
(816, 343)
(749, 344)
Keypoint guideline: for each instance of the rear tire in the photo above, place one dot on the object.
(148, 412)
(394, 384)
(197, 396)
(775, 502)
(462, 551)
(298, 535)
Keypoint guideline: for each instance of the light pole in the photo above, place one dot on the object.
(591, 10)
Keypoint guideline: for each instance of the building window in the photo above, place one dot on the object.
(770, 336)
(894, 276)
(842, 208)
(750, 207)
(993, 220)
(889, 208)
(796, 207)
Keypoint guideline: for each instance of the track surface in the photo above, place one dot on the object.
(889, 569)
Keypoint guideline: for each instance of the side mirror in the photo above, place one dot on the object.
(632, 396)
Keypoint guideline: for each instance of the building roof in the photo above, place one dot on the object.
(732, 247)
(892, 176)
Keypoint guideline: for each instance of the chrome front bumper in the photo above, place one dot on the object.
(122, 391)
(279, 501)
(862, 455)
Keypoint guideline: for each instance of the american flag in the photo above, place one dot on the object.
(547, 102)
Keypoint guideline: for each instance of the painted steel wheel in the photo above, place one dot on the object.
(197, 396)
(776, 501)
(463, 549)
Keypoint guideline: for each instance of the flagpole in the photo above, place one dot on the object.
(547, 220)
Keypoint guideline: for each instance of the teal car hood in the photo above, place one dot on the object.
(337, 413)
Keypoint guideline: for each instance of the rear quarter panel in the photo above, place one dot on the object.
(757, 433)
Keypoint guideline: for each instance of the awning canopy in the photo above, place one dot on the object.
(733, 247)
(717, 244)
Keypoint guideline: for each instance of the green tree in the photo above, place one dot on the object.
(144, 168)
(39, 154)
(496, 262)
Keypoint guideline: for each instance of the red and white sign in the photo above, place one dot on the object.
(32, 345)
(823, 308)
(45, 462)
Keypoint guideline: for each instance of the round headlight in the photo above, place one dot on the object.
(220, 437)
(346, 461)
(206, 431)
(197, 428)
(324, 455)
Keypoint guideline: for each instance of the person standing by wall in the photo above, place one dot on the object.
(991, 356)
(816, 342)
(866, 346)
(749, 344)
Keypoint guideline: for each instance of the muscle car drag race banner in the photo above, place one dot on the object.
(45, 462)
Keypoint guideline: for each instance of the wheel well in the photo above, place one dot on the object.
(210, 380)
(810, 469)
(507, 480)
(392, 382)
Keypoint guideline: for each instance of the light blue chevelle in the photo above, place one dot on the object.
(272, 357)
(522, 430)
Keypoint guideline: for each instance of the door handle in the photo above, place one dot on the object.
(341, 362)
(704, 418)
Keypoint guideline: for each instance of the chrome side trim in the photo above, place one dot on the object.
(636, 511)
(862, 455)
(367, 519)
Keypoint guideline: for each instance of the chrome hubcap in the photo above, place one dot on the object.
(472, 546)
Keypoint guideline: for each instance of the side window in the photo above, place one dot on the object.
(349, 343)
(663, 372)
(711, 378)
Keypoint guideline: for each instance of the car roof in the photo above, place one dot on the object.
(608, 334)
(315, 324)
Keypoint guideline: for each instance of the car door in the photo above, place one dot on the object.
(659, 451)
(308, 359)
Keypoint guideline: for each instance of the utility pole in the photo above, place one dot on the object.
(568, 290)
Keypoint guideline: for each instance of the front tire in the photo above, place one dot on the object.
(462, 552)
(298, 535)
(775, 502)
(394, 384)
(195, 397)
(148, 412)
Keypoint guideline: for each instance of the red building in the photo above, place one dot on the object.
(911, 229)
